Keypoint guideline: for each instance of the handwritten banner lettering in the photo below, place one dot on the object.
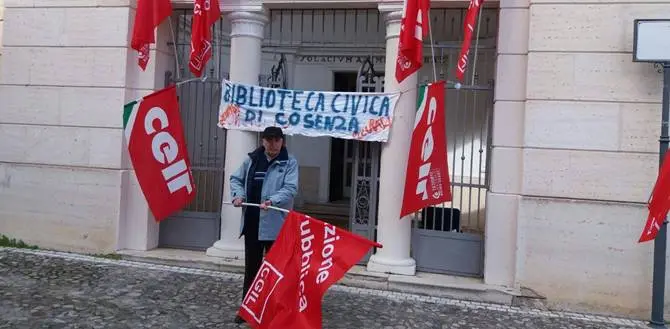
(347, 115)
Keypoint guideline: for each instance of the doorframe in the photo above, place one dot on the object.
(339, 148)
(347, 160)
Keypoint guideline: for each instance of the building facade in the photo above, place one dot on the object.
(552, 139)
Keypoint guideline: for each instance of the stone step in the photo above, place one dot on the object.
(339, 221)
(325, 208)
(428, 284)
(324, 215)
(334, 213)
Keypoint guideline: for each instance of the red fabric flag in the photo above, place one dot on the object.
(149, 14)
(413, 27)
(157, 150)
(659, 204)
(306, 259)
(468, 29)
(205, 14)
(427, 178)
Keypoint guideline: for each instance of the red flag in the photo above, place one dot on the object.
(149, 14)
(413, 27)
(157, 150)
(659, 205)
(427, 178)
(468, 28)
(205, 14)
(306, 259)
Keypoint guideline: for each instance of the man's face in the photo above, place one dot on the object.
(273, 145)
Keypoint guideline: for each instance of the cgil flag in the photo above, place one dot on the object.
(205, 14)
(157, 149)
(149, 14)
(413, 27)
(306, 259)
(427, 178)
(659, 203)
(468, 29)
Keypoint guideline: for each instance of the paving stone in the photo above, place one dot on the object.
(43, 289)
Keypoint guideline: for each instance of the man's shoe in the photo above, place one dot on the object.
(239, 320)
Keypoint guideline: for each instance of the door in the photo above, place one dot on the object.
(365, 164)
(342, 150)
(365, 191)
(347, 167)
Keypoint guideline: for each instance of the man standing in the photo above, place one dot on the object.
(269, 177)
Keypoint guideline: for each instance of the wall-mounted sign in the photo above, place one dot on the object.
(344, 59)
(338, 59)
(651, 40)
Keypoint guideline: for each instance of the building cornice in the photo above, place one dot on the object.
(254, 5)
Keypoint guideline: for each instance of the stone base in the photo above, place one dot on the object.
(428, 284)
(224, 249)
(405, 266)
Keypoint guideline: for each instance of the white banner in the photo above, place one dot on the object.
(361, 116)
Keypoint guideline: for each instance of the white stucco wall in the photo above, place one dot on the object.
(63, 84)
(2, 20)
(575, 154)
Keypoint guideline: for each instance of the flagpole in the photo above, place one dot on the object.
(474, 57)
(174, 45)
(258, 205)
(432, 46)
(204, 77)
(661, 241)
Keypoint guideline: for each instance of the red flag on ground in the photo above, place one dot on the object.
(205, 14)
(157, 148)
(659, 204)
(427, 178)
(306, 259)
(149, 14)
(413, 27)
(468, 28)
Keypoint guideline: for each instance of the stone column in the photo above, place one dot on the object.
(502, 201)
(245, 66)
(393, 232)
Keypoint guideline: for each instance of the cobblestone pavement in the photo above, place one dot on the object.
(41, 289)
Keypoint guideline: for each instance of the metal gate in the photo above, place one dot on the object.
(449, 238)
(198, 226)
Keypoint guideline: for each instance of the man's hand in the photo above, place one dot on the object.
(266, 204)
(237, 202)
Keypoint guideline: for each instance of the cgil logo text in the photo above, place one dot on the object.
(426, 151)
(166, 151)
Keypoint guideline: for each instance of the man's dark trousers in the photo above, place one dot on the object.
(254, 250)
